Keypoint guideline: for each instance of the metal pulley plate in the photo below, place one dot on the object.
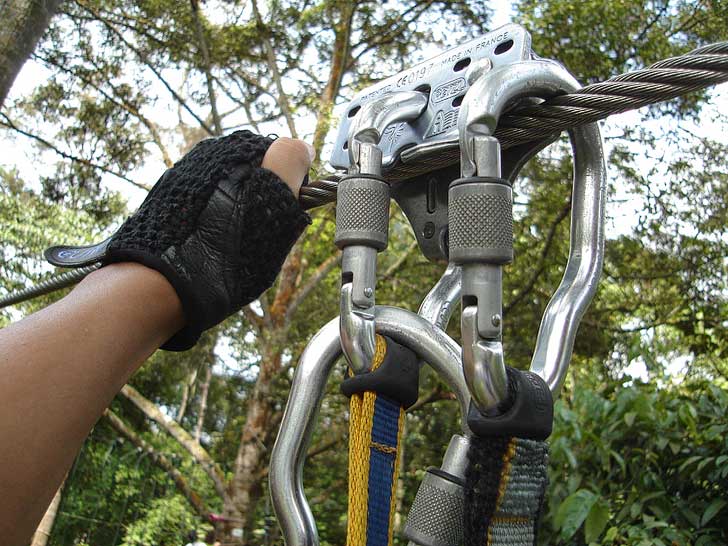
(445, 78)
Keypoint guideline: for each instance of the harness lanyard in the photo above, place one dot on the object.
(504, 491)
(376, 424)
(375, 432)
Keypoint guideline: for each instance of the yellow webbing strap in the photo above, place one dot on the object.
(375, 432)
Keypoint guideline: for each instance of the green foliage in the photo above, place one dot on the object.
(162, 522)
(30, 223)
(116, 495)
(126, 88)
(642, 466)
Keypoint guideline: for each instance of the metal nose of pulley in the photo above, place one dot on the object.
(362, 220)
(481, 232)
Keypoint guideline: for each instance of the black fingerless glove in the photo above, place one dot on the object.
(216, 225)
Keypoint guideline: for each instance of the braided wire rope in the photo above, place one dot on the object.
(664, 80)
(47, 286)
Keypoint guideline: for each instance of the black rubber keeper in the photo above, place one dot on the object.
(528, 412)
(396, 378)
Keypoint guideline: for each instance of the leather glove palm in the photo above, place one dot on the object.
(216, 225)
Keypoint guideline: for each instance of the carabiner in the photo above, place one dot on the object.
(483, 360)
(431, 344)
(362, 220)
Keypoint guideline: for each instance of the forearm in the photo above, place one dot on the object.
(60, 368)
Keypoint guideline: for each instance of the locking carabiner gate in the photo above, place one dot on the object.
(362, 220)
(480, 212)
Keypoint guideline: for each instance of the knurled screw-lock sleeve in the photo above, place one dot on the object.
(362, 211)
(436, 516)
(480, 217)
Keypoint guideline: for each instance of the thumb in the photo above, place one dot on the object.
(290, 159)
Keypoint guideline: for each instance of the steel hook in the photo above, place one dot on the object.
(362, 216)
(483, 360)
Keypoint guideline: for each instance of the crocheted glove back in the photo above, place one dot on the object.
(216, 225)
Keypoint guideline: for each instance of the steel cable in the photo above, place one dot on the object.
(664, 80)
(47, 286)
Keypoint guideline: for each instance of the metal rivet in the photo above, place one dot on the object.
(429, 230)
(495, 320)
(368, 292)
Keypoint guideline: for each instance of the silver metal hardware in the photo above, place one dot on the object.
(445, 78)
(483, 360)
(478, 369)
(439, 303)
(362, 219)
(373, 119)
(483, 363)
(436, 515)
(556, 334)
(492, 93)
(289, 452)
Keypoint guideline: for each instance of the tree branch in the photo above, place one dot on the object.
(198, 453)
(435, 395)
(338, 66)
(283, 103)
(143, 58)
(255, 321)
(161, 461)
(316, 450)
(204, 392)
(121, 103)
(10, 125)
(652, 23)
(206, 65)
(391, 36)
(286, 284)
(186, 392)
(392, 269)
(321, 271)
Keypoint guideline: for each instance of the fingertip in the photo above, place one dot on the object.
(292, 150)
(290, 159)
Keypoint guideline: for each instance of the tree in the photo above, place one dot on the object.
(139, 79)
(24, 24)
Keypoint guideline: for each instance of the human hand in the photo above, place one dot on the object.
(218, 225)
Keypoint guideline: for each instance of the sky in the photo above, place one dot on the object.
(623, 208)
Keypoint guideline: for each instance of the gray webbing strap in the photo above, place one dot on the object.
(505, 488)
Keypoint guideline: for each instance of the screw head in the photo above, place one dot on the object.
(368, 292)
(429, 230)
(495, 320)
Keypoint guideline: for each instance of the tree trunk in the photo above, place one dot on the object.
(246, 487)
(342, 32)
(232, 531)
(204, 392)
(23, 23)
(43, 532)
